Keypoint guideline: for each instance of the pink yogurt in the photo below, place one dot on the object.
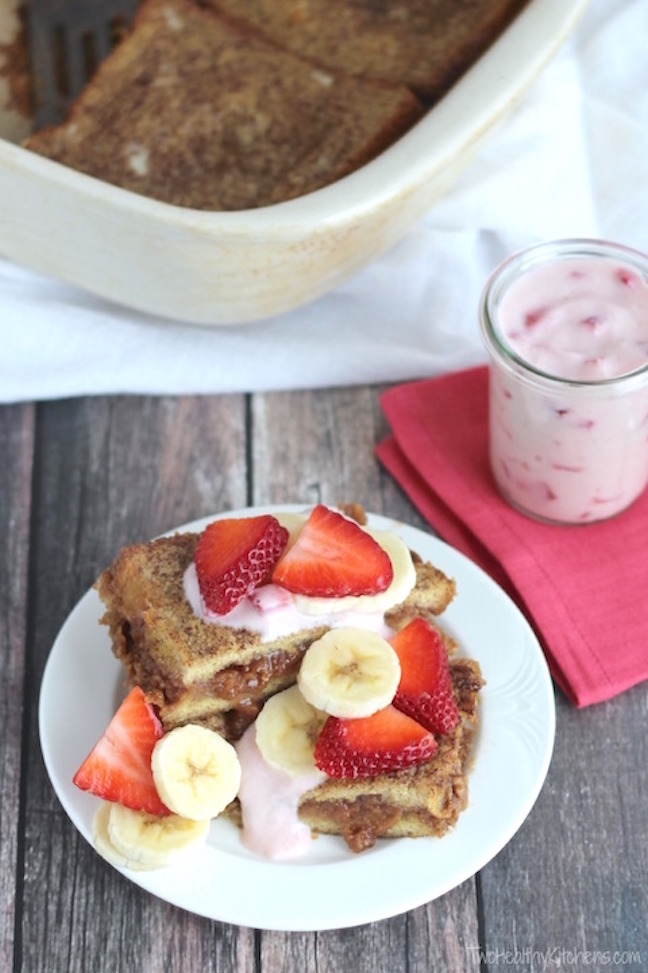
(269, 804)
(566, 326)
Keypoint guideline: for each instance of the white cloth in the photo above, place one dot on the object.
(570, 161)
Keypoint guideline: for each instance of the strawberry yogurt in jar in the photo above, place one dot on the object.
(566, 327)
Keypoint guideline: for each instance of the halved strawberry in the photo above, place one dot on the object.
(119, 766)
(235, 555)
(425, 688)
(364, 747)
(333, 557)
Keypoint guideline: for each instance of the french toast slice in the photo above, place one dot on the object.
(424, 800)
(424, 44)
(191, 110)
(195, 671)
(421, 801)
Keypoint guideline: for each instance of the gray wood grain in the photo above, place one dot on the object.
(112, 471)
(315, 447)
(82, 478)
(16, 449)
(573, 880)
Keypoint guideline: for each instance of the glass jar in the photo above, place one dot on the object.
(566, 327)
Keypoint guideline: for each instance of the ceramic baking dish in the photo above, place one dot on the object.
(229, 268)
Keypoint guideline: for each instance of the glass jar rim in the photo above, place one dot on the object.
(524, 260)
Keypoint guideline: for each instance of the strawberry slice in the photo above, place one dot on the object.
(425, 688)
(370, 745)
(334, 557)
(235, 555)
(119, 767)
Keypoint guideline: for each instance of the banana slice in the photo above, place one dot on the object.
(402, 583)
(196, 771)
(147, 841)
(349, 673)
(103, 844)
(293, 522)
(286, 730)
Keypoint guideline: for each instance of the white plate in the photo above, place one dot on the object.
(332, 888)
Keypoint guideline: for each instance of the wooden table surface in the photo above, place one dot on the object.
(78, 479)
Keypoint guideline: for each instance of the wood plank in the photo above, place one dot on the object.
(16, 449)
(111, 471)
(318, 446)
(441, 935)
(573, 880)
(314, 446)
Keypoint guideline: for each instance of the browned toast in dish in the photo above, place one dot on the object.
(423, 44)
(192, 110)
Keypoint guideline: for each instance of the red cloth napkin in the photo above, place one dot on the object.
(582, 588)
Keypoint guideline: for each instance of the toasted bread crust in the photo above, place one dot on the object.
(424, 44)
(420, 801)
(195, 671)
(190, 670)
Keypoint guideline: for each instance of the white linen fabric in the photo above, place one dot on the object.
(570, 161)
